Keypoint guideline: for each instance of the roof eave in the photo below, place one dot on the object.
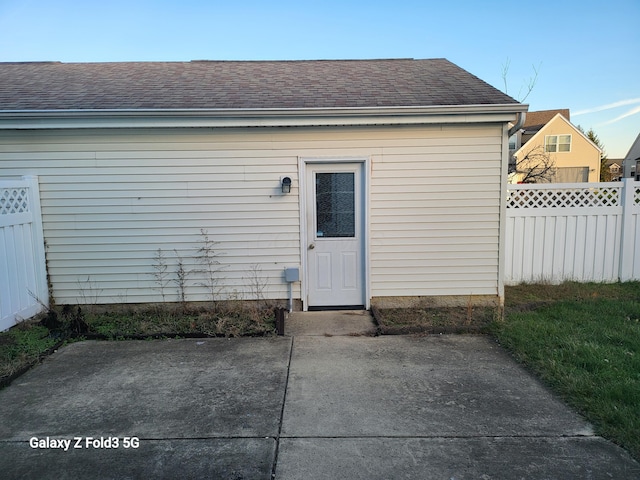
(142, 118)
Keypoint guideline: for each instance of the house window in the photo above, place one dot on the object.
(557, 143)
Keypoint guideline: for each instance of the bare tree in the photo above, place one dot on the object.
(536, 166)
(528, 87)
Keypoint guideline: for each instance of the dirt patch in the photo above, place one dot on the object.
(400, 321)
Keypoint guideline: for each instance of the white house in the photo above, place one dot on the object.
(396, 172)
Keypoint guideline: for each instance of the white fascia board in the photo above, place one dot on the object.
(48, 119)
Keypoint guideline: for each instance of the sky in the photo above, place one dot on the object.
(586, 53)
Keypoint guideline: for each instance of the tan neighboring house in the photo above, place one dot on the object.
(576, 158)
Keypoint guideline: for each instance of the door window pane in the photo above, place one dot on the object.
(335, 205)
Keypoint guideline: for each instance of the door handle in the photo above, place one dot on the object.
(312, 246)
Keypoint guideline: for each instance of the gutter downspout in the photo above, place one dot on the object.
(519, 122)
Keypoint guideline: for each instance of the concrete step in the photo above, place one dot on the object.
(329, 323)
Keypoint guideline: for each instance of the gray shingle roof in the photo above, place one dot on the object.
(242, 85)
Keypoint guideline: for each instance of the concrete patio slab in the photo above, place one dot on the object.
(217, 458)
(448, 386)
(305, 407)
(482, 458)
(195, 388)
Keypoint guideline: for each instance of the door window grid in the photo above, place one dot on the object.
(335, 205)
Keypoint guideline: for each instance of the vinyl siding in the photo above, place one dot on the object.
(112, 198)
(435, 215)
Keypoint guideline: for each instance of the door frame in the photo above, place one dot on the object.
(303, 163)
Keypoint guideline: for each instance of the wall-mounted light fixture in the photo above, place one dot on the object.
(286, 184)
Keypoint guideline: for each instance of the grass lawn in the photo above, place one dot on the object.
(583, 340)
(21, 347)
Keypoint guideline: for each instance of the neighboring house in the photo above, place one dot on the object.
(614, 168)
(379, 179)
(574, 156)
(631, 163)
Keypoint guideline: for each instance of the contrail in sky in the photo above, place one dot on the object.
(609, 106)
(633, 111)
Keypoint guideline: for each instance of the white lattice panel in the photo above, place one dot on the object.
(14, 200)
(563, 197)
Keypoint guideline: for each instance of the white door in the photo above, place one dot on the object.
(335, 235)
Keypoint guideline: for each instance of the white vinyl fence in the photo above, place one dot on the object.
(23, 279)
(582, 232)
